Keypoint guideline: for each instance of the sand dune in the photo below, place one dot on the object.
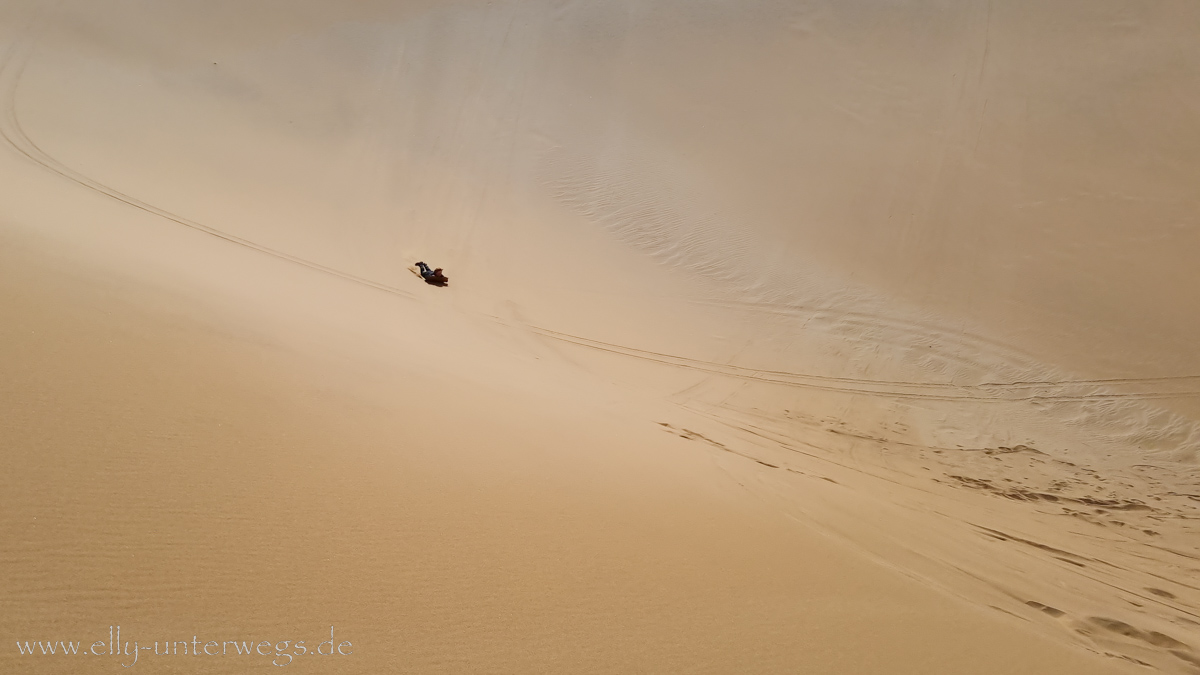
(821, 337)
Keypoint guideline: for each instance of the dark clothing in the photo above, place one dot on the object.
(432, 276)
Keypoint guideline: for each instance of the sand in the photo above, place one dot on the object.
(798, 337)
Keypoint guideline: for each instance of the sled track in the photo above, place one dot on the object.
(923, 329)
(1005, 392)
(833, 319)
(12, 132)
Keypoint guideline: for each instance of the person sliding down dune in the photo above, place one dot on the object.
(432, 276)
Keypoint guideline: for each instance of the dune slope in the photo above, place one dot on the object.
(781, 337)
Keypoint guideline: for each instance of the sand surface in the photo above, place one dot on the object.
(782, 337)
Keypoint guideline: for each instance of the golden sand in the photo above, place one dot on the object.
(781, 337)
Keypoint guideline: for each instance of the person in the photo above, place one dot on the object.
(432, 276)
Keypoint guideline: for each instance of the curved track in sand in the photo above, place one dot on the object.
(1010, 391)
(10, 128)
